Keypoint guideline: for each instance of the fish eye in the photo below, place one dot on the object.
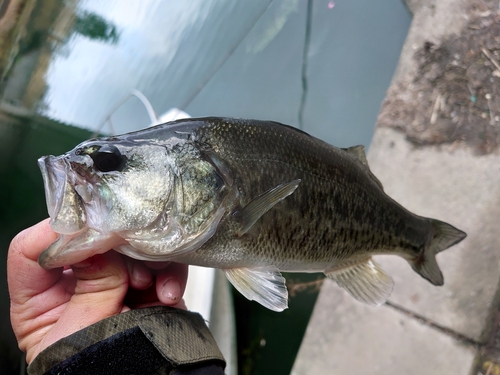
(108, 158)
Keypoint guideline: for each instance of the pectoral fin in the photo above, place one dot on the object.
(365, 281)
(263, 203)
(264, 285)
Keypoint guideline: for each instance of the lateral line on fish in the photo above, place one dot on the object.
(367, 202)
(449, 332)
(290, 166)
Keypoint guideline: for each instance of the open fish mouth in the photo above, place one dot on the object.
(64, 201)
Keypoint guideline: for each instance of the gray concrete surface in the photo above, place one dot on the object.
(464, 190)
(449, 183)
(347, 337)
(432, 21)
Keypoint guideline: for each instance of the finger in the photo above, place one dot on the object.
(180, 305)
(99, 276)
(101, 284)
(171, 283)
(140, 276)
(157, 265)
(25, 277)
(138, 299)
(32, 241)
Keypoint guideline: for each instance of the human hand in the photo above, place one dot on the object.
(47, 305)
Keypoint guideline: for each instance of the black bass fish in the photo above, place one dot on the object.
(252, 198)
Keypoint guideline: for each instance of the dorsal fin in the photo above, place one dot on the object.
(359, 153)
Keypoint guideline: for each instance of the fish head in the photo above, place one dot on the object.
(102, 191)
(109, 186)
(149, 199)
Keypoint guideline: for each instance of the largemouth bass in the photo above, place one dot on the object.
(252, 198)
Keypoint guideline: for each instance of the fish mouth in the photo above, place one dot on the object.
(65, 202)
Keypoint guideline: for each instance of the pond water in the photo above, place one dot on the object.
(319, 65)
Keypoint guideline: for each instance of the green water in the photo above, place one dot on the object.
(268, 341)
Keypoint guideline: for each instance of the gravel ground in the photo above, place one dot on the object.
(455, 94)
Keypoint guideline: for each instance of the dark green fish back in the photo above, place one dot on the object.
(337, 212)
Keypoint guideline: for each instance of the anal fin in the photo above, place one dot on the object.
(364, 280)
(264, 285)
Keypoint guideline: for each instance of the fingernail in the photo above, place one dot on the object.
(171, 290)
(140, 279)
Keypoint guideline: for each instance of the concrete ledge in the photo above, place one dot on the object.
(463, 189)
(347, 337)
(432, 21)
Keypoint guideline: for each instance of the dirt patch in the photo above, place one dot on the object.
(454, 98)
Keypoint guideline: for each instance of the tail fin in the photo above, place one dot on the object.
(443, 236)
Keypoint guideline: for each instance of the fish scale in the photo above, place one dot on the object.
(275, 168)
(252, 198)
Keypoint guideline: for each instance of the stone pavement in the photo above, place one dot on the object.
(423, 329)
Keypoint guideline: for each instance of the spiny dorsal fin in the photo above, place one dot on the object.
(359, 153)
(263, 203)
(264, 285)
(364, 280)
